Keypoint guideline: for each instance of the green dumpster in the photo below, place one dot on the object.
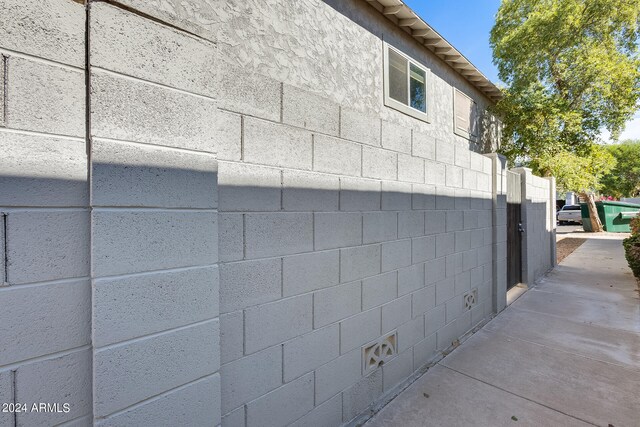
(615, 216)
(586, 220)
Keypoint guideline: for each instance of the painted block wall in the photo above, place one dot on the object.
(154, 244)
(109, 244)
(237, 291)
(538, 216)
(45, 297)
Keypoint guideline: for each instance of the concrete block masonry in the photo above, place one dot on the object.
(302, 191)
(275, 322)
(423, 145)
(134, 306)
(310, 272)
(248, 283)
(308, 351)
(303, 109)
(29, 178)
(359, 329)
(144, 368)
(359, 127)
(44, 98)
(338, 156)
(175, 59)
(131, 110)
(337, 230)
(236, 220)
(188, 402)
(137, 175)
(338, 302)
(337, 375)
(380, 289)
(53, 30)
(67, 375)
(33, 242)
(283, 405)
(271, 144)
(250, 377)
(120, 240)
(60, 319)
(396, 137)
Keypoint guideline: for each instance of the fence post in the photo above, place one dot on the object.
(499, 224)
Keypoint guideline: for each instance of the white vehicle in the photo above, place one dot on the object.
(569, 213)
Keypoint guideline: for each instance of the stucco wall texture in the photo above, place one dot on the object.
(205, 223)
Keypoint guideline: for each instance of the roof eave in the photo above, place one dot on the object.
(405, 18)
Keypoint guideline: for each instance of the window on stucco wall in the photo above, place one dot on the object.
(406, 84)
(465, 116)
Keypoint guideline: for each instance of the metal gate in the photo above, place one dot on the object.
(514, 229)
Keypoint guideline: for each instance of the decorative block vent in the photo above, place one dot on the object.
(470, 299)
(377, 353)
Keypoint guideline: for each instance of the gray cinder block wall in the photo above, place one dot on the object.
(237, 218)
(45, 298)
(538, 216)
(154, 240)
(110, 287)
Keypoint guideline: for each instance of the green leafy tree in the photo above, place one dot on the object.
(571, 68)
(580, 173)
(624, 178)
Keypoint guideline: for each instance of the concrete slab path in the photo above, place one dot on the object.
(566, 353)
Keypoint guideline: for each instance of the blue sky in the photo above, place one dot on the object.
(466, 24)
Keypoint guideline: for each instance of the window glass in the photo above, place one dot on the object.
(417, 89)
(397, 77)
(405, 84)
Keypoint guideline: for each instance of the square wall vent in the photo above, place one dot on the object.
(377, 353)
(471, 299)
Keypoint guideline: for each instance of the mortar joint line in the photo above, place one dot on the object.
(315, 381)
(362, 162)
(14, 394)
(116, 3)
(244, 412)
(313, 312)
(281, 102)
(242, 138)
(5, 90)
(281, 190)
(339, 192)
(244, 236)
(313, 151)
(282, 277)
(5, 240)
(282, 361)
(244, 332)
(313, 230)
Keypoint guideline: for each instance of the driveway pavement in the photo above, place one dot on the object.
(566, 353)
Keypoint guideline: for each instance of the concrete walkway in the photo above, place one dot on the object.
(565, 353)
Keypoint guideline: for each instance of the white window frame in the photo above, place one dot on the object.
(461, 132)
(397, 105)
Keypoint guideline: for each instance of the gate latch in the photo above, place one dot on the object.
(520, 227)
